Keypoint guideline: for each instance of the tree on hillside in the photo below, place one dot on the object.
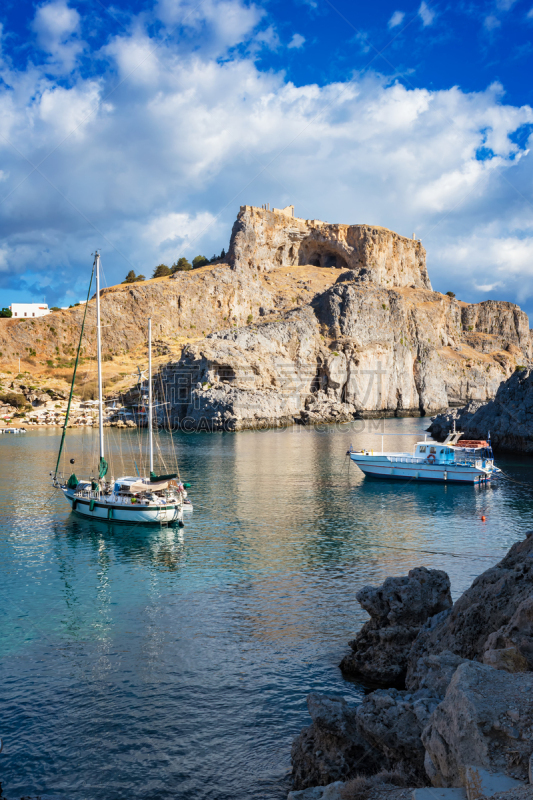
(161, 271)
(180, 265)
(5, 312)
(223, 253)
(450, 294)
(199, 261)
(131, 277)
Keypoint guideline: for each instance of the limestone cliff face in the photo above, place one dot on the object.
(265, 240)
(355, 349)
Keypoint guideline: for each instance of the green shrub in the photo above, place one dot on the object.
(199, 261)
(249, 318)
(5, 312)
(13, 399)
(55, 308)
(450, 294)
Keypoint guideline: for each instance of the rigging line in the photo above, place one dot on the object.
(74, 373)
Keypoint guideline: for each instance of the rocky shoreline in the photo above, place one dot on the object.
(456, 699)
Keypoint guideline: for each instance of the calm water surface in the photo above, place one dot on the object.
(166, 663)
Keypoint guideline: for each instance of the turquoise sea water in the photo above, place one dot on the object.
(164, 663)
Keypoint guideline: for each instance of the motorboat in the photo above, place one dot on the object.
(455, 460)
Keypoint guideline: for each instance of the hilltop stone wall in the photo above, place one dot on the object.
(264, 240)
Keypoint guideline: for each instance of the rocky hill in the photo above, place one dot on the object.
(307, 320)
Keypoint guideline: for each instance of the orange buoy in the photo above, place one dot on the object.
(482, 519)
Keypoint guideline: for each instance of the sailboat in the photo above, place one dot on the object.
(151, 499)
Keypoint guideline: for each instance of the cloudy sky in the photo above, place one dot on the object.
(141, 127)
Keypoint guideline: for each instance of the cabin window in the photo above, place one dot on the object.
(423, 448)
(432, 449)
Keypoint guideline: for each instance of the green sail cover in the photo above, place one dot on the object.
(104, 466)
(72, 482)
(154, 478)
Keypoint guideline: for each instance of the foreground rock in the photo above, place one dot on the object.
(485, 719)
(332, 747)
(494, 616)
(508, 418)
(462, 706)
(397, 609)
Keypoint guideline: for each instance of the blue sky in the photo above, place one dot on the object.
(140, 128)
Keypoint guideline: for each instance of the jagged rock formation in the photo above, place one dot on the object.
(456, 711)
(486, 616)
(331, 748)
(397, 609)
(265, 240)
(509, 417)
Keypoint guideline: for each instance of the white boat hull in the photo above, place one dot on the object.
(402, 469)
(119, 512)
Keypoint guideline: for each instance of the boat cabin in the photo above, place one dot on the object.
(440, 453)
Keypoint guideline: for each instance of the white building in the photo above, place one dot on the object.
(29, 309)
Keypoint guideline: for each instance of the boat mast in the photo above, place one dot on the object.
(99, 356)
(150, 398)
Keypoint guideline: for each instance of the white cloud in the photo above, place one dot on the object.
(488, 287)
(529, 14)
(160, 168)
(297, 41)
(426, 14)
(56, 26)
(396, 19)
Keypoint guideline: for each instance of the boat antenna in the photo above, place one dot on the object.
(102, 466)
(150, 398)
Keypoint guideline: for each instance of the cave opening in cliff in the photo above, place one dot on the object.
(322, 257)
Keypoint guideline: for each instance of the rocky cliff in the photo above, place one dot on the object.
(307, 322)
(508, 418)
(354, 349)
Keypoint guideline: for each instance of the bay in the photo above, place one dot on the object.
(164, 663)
